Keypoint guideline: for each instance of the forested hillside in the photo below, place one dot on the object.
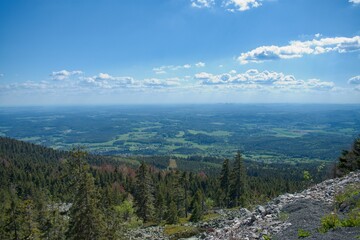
(43, 191)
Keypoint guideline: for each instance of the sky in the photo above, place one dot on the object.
(85, 52)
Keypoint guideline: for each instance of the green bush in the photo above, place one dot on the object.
(353, 220)
(303, 233)
(266, 237)
(328, 222)
(348, 195)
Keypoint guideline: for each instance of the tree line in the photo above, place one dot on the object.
(49, 194)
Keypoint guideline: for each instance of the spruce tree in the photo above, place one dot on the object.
(186, 185)
(160, 205)
(225, 182)
(144, 194)
(172, 214)
(197, 210)
(178, 193)
(86, 219)
(349, 160)
(238, 183)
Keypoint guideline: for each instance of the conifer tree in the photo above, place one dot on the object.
(55, 226)
(197, 212)
(144, 194)
(225, 182)
(178, 193)
(349, 160)
(12, 228)
(186, 184)
(160, 205)
(86, 219)
(238, 182)
(172, 214)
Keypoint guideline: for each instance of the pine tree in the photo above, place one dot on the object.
(238, 182)
(349, 160)
(13, 224)
(172, 214)
(144, 194)
(86, 219)
(225, 182)
(197, 212)
(186, 184)
(160, 205)
(178, 193)
(21, 222)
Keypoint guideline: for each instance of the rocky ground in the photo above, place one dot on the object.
(280, 218)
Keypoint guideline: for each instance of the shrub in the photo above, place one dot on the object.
(303, 233)
(353, 220)
(266, 237)
(176, 231)
(328, 222)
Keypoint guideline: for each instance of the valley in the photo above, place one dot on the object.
(267, 132)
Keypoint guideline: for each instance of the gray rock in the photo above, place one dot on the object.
(245, 212)
(260, 209)
(304, 211)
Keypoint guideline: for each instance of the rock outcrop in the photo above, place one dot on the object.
(275, 220)
(281, 218)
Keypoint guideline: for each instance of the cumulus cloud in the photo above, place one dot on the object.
(64, 74)
(354, 1)
(202, 3)
(105, 80)
(200, 64)
(252, 79)
(354, 80)
(297, 49)
(256, 78)
(241, 5)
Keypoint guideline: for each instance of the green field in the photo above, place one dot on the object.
(270, 133)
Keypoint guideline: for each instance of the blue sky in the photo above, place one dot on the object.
(179, 51)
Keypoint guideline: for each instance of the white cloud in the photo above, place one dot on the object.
(104, 76)
(202, 3)
(160, 83)
(64, 74)
(354, 1)
(200, 64)
(103, 83)
(160, 70)
(297, 49)
(241, 5)
(1, 75)
(268, 79)
(28, 85)
(164, 69)
(354, 80)
(105, 80)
